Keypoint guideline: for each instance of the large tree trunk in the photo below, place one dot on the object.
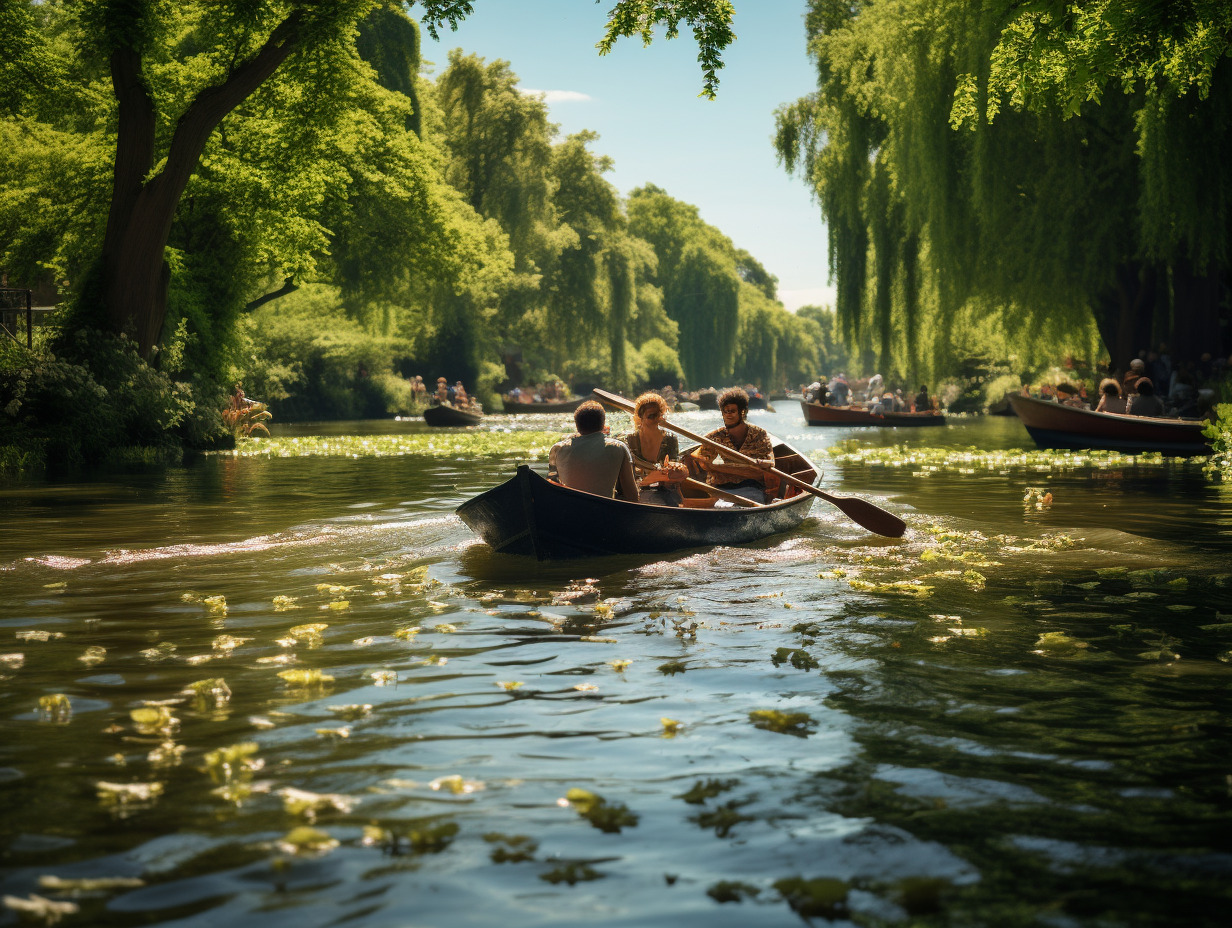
(1125, 312)
(135, 274)
(1196, 311)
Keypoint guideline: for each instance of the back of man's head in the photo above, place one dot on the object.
(589, 417)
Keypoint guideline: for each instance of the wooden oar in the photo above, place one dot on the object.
(704, 487)
(859, 511)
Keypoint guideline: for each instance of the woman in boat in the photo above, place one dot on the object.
(923, 402)
(1110, 399)
(649, 443)
(750, 440)
(1145, 403)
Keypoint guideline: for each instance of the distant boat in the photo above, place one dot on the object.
(817, 414)
(1053, 425)
(443, 415)
(529, 514)
(516, 408)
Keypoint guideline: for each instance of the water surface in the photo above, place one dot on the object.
(1017, 714)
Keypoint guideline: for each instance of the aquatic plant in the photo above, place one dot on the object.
(520, 445)
(306, 840)
(785, 723)
(606, 816)
(732, 891)
(708, 789)
(36, 908)
(825, 897)
(571, 873)
(55, 707)
(301, 802)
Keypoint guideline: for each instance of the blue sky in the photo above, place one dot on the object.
(644, 103)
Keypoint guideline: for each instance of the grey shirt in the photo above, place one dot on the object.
(588, 462)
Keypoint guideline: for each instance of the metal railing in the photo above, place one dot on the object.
(17, 309)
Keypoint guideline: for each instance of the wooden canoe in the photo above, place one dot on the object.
(516, 409)
(531, 515)
(816, 414)
(441, 416)
(1055, 426)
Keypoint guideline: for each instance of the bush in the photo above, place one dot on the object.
(92, 397)
(662, 363)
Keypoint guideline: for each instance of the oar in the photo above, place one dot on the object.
(704, 487)
(859, 511)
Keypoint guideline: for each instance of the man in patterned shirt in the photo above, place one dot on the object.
(750, 440)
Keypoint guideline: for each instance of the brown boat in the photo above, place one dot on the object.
(515, 408)
(817, 414)
(444, 415)
(1055, 426)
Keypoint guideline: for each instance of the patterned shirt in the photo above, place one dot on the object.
(757, 445)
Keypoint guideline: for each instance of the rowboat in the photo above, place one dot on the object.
(516, 408)
(443, 415)
(1055, 426)
(817, 414)
(531, 515)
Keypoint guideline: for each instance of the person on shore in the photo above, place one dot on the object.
(650, 444)
(1145, 402)
(750, 440)
(1110, 399)
(589, 460)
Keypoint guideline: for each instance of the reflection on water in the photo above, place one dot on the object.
(1017, 714)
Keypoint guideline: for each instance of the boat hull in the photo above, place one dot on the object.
(442, 416)
(531, 515)
(816, 414)
(1055, 426)
(519, 409)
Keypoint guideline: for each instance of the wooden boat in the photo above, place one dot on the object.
(1055, 426)
(531, 515)
(817, 414)
(443, 415)
(515, 408)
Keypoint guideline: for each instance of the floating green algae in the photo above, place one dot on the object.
(824, 897)
(732, 891)
(785, 723)
(571, 874)
(511, 849)
(606, 816)
(524, 445)
(797, 657)
(707, 789)
(925, 461)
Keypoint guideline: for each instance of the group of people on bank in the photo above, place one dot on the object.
(646, 464)
(874, 395)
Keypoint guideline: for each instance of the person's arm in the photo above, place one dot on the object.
(626, 481)
(553, 472)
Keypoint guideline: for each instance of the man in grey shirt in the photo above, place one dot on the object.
(590, 460)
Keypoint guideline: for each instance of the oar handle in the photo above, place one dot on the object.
(621, 403)
(705, 487)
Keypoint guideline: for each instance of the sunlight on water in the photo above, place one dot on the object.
(296, 690)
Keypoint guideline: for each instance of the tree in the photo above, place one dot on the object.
(1006, 163)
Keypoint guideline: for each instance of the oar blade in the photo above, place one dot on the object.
(868, 515)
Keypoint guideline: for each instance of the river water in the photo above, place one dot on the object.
(1018, 714)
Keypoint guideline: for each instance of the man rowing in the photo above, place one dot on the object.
(750, 440)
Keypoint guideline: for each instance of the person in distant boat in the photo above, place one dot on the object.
(1110, 399)
(840, 391)
(459, 395)
(923, 402)
(591, 461)
(650, 444)
(1137, 369)
(1067, 395)
(750, 440)
(442, 391)
(876, 386)
(1145, 402)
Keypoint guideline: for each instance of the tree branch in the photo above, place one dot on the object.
(288, 286)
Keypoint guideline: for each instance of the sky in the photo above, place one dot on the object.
(644, 102)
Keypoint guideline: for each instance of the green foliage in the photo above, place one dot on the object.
(94, 399)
